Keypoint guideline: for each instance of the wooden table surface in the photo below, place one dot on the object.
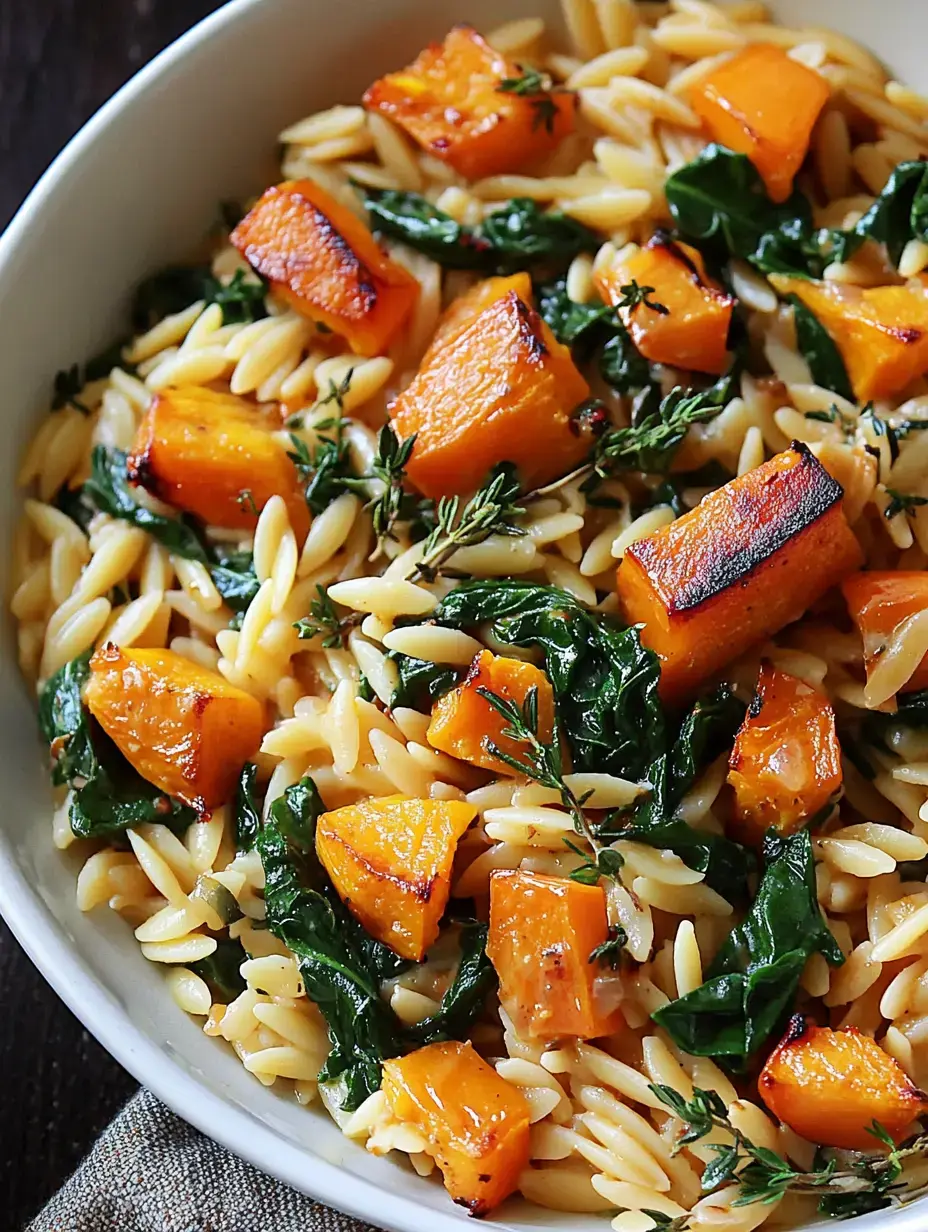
(59, 60)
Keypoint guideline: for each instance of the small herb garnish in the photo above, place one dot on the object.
(542, 761)
(650, 443)
(606, 863)
(325, 468)
(536, 87)
(609, 952)
(902, 502)
(633, 295)
(490, 511)
(865, 1183)
(394, 504)
(323, 620)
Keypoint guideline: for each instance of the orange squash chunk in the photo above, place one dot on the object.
(764, 104)
(322, 259)
(449, 101)
(500, 389)
(693, 333)
(879, 603)
(830, 1086)
(463, 722)
(467, 307)
(786, 763)
(390, 861)
(749, 559)
(183, 727)
(204, 452)
(476, 1123)
(542, 933)
(881, 332)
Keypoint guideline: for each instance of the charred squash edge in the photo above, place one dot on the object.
(817, 493)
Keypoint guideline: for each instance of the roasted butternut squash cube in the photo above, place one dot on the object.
(467, 307)
(830, 1086)
(183, 727)
(692, 332)
(786, 762)
(880, 332)
(543, 931)
(323, 260)
(476, 1123)
(763, 103)
(215, 456)
(501, 389)
(449, 100)
(390, 861)
(464, 723)
(879, 603)
(749, 559)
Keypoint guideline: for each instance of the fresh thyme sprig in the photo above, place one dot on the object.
(650, 444)
(325, 468)
(633, 295)
(850, 1186)
(394, 504)
(543, 763)
(490, 511)
(324, 620)
(536, 87)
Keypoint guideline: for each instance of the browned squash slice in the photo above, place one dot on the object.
(183, 727)
(749, 559)
(390, 861)
(476, 1123)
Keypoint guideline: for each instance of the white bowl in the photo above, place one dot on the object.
(135, 189)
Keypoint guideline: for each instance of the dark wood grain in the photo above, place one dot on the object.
(59, 61)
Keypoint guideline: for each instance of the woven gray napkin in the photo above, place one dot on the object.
(151, 1172)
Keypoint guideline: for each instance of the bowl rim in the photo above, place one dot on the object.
(31, 923)
(218, 1119)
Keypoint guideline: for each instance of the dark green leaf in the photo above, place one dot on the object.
(109, 489)
(421, 683)
(707, 730)
(819, 350)
(568, 321)
(719, 201)
(605, 682)
(222, 969)
(109, 796)
(588, 326)
(178, 286)
(340, 975)
(750, 986)
(65, 724)
(517, 235)
(465, 998)
(899, 214)
(247, 819)
(234, 577)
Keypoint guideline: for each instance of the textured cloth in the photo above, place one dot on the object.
(151, 1172)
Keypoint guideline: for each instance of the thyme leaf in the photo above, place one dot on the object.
(490, 511)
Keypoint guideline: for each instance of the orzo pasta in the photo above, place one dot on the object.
(480, 620)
